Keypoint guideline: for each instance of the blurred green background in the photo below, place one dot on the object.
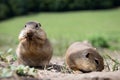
(65, 21)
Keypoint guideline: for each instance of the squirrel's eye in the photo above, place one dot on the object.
(36, 26)
(96, 61)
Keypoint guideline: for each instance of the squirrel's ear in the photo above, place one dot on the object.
(25, 26)
(87, 55)
(39, 24)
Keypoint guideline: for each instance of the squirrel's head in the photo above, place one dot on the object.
(32, 31)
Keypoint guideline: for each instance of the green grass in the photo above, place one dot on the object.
(64, 28)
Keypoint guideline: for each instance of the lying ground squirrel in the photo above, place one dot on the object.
(34, 48)
(81, 56)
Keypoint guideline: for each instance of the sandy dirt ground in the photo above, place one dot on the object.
(58, 71)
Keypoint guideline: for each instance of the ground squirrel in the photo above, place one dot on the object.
(34, 48)
(83, 57)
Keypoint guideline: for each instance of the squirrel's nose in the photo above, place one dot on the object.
(30, 34)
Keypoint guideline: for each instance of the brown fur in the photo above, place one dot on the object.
(82, 56)
(34, 48)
